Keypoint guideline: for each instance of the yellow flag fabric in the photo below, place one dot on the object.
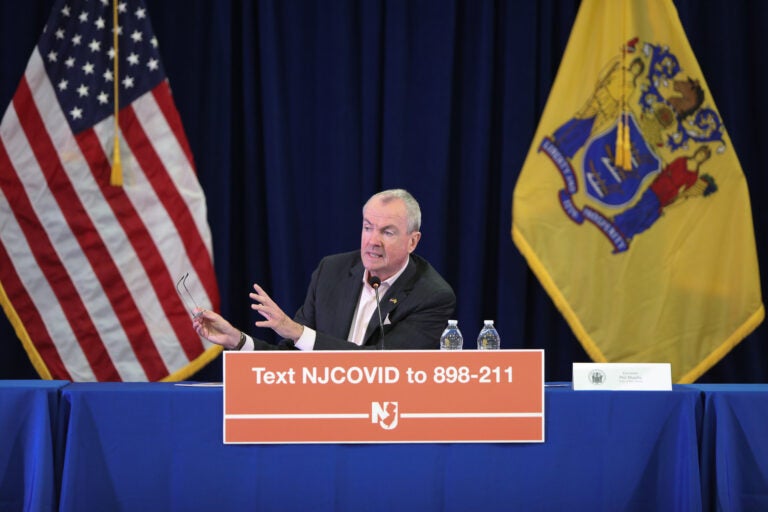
(632, 208)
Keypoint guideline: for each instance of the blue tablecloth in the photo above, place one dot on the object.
(27, 444)
(734, 447)
(149, 447)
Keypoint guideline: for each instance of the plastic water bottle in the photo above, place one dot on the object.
(451, 339)
(488, 339)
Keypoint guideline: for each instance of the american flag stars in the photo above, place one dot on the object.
(78, 54)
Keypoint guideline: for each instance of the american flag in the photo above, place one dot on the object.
(88, 271)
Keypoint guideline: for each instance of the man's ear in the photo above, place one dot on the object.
(413, 241)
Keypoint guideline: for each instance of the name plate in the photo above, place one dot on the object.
(622, 376)
(384, 396)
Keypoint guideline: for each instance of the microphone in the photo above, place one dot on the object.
(375, 282)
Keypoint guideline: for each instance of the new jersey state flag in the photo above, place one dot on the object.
(90, 272)
(632, 208)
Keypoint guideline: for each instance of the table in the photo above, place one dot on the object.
(27, 450)
(159, 447)
(734, 446)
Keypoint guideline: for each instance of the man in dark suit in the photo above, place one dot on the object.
(339, 312)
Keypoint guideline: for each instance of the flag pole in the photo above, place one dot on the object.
(116, 177)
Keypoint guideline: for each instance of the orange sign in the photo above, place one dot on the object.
(384, 396)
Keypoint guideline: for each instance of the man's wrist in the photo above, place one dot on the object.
(241, 342)
(292, 331)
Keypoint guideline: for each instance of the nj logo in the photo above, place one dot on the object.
(385, 414)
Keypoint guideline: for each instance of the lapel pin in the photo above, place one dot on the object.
(393, 301)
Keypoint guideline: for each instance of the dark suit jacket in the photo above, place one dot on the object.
(415, 309)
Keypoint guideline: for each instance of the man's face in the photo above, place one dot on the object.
(385, 243)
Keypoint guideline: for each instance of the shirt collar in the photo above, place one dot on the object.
(387, 282)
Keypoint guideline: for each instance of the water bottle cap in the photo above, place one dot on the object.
(488, 321)
(453, 322)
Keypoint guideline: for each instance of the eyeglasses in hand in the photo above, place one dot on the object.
(186, 297)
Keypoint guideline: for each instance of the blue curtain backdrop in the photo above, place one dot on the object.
(298, 110)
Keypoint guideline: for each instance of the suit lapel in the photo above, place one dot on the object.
(394, 296)
(349, 288)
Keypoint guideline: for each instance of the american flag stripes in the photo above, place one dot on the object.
(88, 271)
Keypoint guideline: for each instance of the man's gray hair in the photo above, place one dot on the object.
(412, 209)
